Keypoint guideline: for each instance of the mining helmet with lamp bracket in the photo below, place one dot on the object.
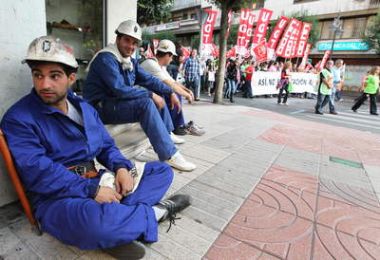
(130, 28)
(49, 48)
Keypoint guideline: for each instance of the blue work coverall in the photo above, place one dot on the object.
(44, 142)
(111, 90)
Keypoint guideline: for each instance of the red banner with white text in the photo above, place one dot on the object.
(302, 41)
(247, 19)
(207, 31)
(277, 31)
(305, 56)
(261, 26)
(288, 40)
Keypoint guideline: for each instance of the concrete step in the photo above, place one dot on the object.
(130, 138)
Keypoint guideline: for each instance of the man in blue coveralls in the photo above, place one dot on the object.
(110, 88)
(54, 137)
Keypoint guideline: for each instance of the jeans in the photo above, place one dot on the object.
(231, 88)
(194, 85)
(322, 101)
(332, 99)
(177, 118)
(247, 89)
(157, 124)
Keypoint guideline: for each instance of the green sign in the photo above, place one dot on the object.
(346, 162)
(343, 46)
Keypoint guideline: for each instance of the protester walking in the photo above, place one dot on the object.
(284, 83)
(371, 88)
(325, 90)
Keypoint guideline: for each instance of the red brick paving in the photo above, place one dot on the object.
(287, 216)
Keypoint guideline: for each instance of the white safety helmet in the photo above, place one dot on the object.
(130, 28)
(49, 48)
(167, 46)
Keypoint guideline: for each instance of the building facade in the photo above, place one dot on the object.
(85, 24)
(354, 16)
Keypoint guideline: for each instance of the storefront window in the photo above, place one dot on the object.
(80, 24)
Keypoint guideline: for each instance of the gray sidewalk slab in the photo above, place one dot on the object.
(231, 159)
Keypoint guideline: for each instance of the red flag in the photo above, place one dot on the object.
(305, 55)
(261, 26)
(284, 49)
(185, 52)
(277, 31)
(247, 19)
(260, 51)
(324, 60)
(215, 51)
(229, 23)
(231, 52)
(294, 40)
(302, 41)
(208, 26)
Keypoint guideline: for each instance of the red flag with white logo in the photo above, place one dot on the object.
(260, 51)
(305, 56)
(302, 41)
(277, 31)
(261, 26)
(247, 19)
(284, 49)
(208, 30)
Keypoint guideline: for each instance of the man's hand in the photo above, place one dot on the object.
(107, 195)
(174, 101)
(159, 101)
(124, 182)
(189, 94)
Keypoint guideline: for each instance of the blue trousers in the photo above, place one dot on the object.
(177, 118)
(157, 124)
(84, 223)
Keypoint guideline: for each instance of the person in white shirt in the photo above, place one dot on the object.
(157, 67)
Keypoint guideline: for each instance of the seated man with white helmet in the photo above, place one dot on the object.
(54, 137)
(110, 88)
(157, 67)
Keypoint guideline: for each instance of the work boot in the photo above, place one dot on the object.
(129, 251)
(173, 205)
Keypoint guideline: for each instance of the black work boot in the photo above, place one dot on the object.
(173, 205)
(130, 251)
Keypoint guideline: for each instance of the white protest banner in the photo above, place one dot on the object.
(265, 83)
(304, 82)
(302, 41)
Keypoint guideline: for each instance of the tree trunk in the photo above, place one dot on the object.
(218, 98)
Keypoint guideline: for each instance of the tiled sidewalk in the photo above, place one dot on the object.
(267, 187)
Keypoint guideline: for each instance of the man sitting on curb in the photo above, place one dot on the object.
(54, 137)
(157, 67)
(109, 87)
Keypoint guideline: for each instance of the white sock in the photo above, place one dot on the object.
(159, 212)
